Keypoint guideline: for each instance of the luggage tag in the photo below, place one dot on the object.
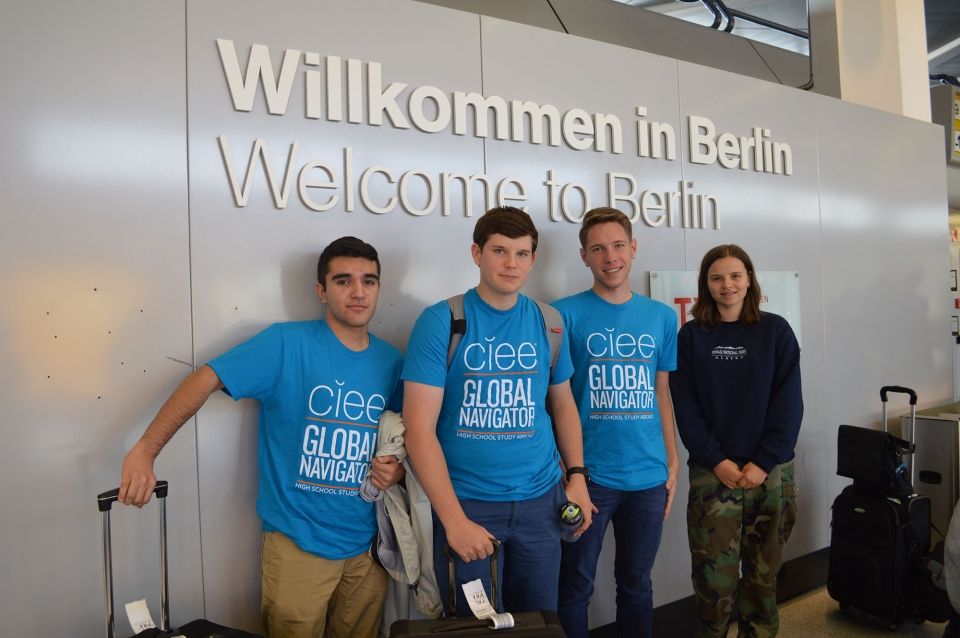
(139, 616)
(481, 607)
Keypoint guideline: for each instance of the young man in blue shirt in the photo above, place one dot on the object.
(478, 432)
(623, 346)
(321, 386)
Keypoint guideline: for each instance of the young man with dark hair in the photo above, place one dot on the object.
(623, 346)
(320, 384)
(478, 431)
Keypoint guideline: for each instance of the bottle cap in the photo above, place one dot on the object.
(571, 514)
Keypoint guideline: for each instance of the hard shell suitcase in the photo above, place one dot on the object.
(534, 624)
(199, 628)
(879, 529)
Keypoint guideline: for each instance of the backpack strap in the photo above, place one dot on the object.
(554, 325)
(551, 320)
(458, 325)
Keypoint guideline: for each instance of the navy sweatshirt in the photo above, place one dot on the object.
(736, 392)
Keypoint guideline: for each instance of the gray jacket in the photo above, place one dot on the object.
(405, 524)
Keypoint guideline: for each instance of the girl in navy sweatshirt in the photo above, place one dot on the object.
(738, 405)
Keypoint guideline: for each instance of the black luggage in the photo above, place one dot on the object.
(195, 629)
(933, 604)
(533, 624)
(875, 459)
(879, 528)
(874, 542)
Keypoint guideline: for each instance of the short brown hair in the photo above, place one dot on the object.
(705, 310)
(344, 247)
(604, 215)
(507, 221)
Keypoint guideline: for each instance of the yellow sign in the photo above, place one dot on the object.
(955, 129)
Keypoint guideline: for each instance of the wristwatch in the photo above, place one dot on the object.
(579, 470)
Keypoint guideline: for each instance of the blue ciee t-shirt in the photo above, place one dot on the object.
(320, 403)
(496, 435)
(617, 349)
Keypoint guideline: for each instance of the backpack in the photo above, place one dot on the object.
(551, 320)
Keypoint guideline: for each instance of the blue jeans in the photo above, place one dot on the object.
(637, 524)
(527, 566)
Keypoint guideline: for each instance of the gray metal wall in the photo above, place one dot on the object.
(95, 262)
(125, 259)
(629, 26)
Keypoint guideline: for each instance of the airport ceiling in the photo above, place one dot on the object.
(942, 22)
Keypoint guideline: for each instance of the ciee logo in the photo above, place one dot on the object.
(499, 357)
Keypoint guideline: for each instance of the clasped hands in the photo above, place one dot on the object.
(730, 474)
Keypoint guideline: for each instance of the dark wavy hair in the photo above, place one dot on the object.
(705, 310)
(345, 247)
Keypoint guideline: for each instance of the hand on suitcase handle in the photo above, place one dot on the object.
(106, 499)
(493, 541)
(470, 540)
(137, 479)
(899, 389)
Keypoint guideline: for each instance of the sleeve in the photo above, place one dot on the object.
(667, 360)
(691, 423)
(951, 559)
(251, 369)
(785, 409)
(426, 358)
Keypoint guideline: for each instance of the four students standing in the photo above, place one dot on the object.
(503, 429)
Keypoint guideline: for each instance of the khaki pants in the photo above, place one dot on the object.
(304, 595)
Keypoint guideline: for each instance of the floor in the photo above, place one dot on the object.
(815, 614)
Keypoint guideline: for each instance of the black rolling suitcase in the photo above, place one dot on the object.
(874, 542)
(199, 628)
(879, 528)
(533, 624)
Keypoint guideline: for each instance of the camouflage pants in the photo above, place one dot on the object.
(736, 543)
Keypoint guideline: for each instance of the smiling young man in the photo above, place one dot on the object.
(623, 346)
(320, 384)
(478, 432)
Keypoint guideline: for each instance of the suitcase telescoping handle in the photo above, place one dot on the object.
(104, 502)
(452, 581)
(912, 434)
(899, 389)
